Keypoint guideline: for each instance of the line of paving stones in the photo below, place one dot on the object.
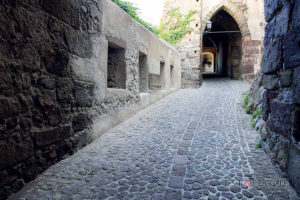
(193, 144)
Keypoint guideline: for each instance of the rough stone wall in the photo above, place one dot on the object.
(281, 81)
(53, 79)
(249, 15)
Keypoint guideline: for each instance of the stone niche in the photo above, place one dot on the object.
(143, 73)
(116, 67)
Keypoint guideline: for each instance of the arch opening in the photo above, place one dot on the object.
(224, 42)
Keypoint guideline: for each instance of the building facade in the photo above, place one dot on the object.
(233, 47)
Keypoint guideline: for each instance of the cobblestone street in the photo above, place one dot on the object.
(193, 144)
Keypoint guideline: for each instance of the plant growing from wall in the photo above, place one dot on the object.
(246, 100)
(175, 27)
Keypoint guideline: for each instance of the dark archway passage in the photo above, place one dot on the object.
(224, 42)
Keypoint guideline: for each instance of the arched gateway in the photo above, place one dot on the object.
(237, 47)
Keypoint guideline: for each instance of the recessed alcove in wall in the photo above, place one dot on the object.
(116, 67)
(143, 73)
(162, 75)
(171, 76)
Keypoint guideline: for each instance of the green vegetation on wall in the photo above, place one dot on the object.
(176, 26)
(172, 30)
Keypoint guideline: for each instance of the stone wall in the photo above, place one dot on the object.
(249, 16)
(281, 81)
(54, 95)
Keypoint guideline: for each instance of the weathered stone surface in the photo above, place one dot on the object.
(286, 78)
(80, 122)
(64, 90)
(83, 94)
(296, 85)
(68, 11)
(9, 106)
(272, 58)
(282, 21)
(19, 148)
(47, 82)
(296, 16)
(79, 43)
(270, 82)
(291, 49)
(280, 117)
(271, 7)
(47, 137)
(294, 166)
(47, 98)
(59, 63)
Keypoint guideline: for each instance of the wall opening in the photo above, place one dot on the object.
(116, 67)
(296, 126)
(208, 62)
(224, 45)
(143, 73)
(162, 75)
(172, 76)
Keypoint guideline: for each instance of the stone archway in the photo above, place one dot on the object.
(236, 14)
(246, 68)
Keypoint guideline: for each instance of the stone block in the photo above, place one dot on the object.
(14, 150)
(286, 78)
(79, 43)
(5, 83)
(272, 59)
(296, 17)
(65, 10)
(280, 118)
(59, 63)
(282, 21)
(47, 82)
(51, 136)
(270, 82)
(26, 102)
(26, 81)
(269, 31)
(9, 106)
(83, 93)
(291, 50)
(296, 85)
(271, 7)
(64, 90)
(47, 98)
(154, 82)
(80, 122)
(54, 116)
(293, 169)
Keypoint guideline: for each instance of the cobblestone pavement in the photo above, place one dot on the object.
(193, 144)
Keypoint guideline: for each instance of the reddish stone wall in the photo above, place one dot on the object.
(252, 51)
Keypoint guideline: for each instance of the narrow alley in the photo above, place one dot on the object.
(193, 144)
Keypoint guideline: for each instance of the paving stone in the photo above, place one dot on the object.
(235, 189)
(247, 194)
(176, 182)
(178, 170)
(227, 195)
(173, 195)
(215, 183)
